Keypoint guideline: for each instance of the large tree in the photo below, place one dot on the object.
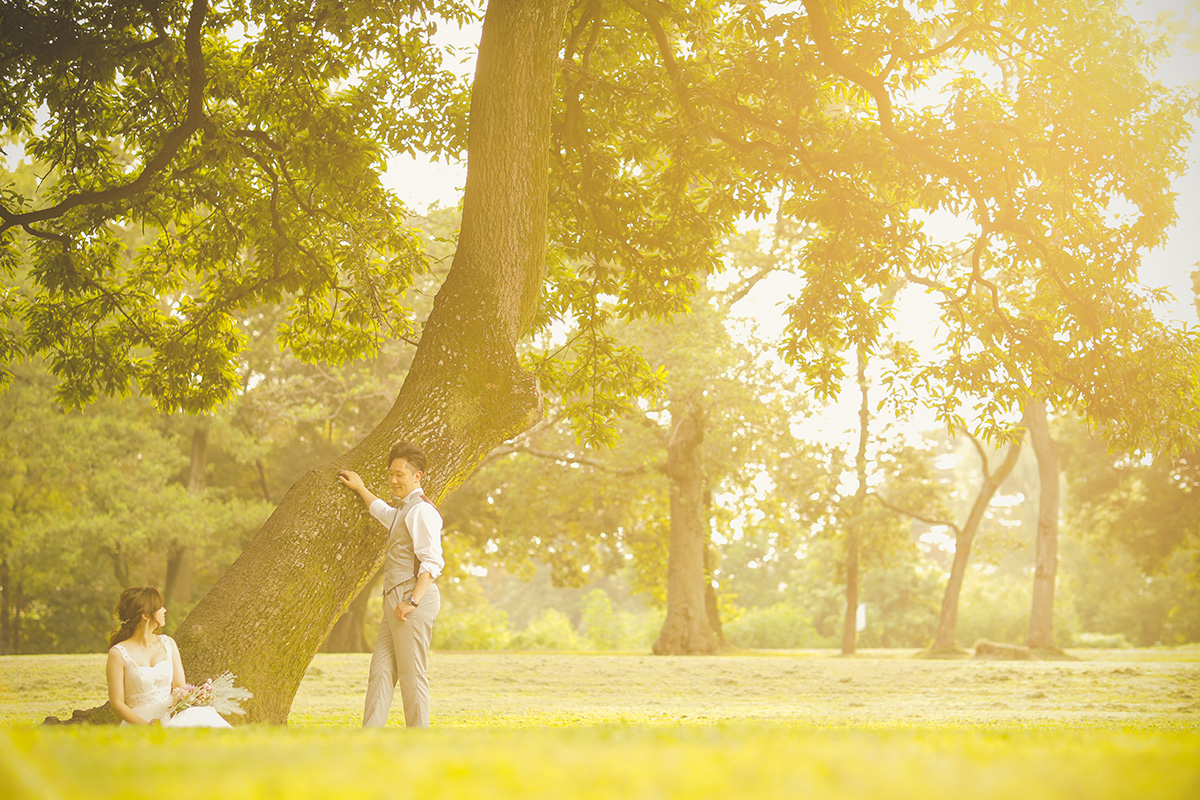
(466, 391)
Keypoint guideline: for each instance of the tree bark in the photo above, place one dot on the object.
(948, 621)
(686, 630)
(1041, 617)
(854, 528)
(465, 394)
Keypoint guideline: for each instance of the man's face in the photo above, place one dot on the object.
(402, 477)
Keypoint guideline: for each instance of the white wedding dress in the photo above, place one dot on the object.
(148, 694)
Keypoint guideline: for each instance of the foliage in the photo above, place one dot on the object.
(1055, 160)
(783, 625)
(89, 503)
(1116, 598)
(605, 628)
(478, 627)
(171, 121)
(550, 629)
(1149, 508)
(995, 607)
(903, 601)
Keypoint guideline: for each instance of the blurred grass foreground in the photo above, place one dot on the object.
(805, 724)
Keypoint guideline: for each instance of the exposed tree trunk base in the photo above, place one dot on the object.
(945, 653)
(1052, 654)
(998, 651)
(100, 715)
(1002, 652)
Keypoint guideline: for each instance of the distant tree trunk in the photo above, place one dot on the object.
(6, 640)
(710, 591)
(686, 630)
(262, 480)
(17, 604)
(465, 394)
(349, 634)
(178, 586)
(854, 527)
(948, 622)
(120, 567)
(1041, 617)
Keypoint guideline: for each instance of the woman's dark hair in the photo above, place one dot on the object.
(410, 453)
(135, 601)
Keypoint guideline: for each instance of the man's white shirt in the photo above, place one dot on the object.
(424, 523)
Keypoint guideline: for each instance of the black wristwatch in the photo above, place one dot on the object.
(412, 602)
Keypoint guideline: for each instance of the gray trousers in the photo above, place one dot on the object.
(401, 656)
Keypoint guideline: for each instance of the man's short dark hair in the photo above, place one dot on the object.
(410, 453)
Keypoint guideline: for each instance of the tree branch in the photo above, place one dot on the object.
(563, 458)
(174, 140)
(915, 515)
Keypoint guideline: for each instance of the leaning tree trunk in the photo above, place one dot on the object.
(948, 622)
(465, 394)
(686, 630)
(1041, 617)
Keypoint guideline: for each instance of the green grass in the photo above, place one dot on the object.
(799, 724)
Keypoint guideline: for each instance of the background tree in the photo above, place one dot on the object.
(94, 501)
(934, 513)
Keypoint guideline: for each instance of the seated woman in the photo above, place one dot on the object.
(145, 673)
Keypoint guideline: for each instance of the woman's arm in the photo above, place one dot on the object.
(178, 681)
(115, 670)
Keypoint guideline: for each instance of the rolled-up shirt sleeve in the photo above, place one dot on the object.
(380, 510)
(425, 525)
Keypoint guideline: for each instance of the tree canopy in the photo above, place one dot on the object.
(246, 141)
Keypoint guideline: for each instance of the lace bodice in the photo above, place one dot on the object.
(146, 686)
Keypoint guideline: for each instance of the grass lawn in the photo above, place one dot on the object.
(1112, 724)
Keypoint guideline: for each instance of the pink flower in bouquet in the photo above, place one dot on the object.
(220, 693)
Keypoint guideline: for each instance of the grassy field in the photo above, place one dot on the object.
(1111, 724)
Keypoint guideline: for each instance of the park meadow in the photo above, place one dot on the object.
(811, 724)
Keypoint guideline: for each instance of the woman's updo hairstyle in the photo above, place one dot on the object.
(135, 601)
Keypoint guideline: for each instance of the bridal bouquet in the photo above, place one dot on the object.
(219, 692)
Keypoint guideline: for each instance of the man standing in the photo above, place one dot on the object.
(410, 597)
